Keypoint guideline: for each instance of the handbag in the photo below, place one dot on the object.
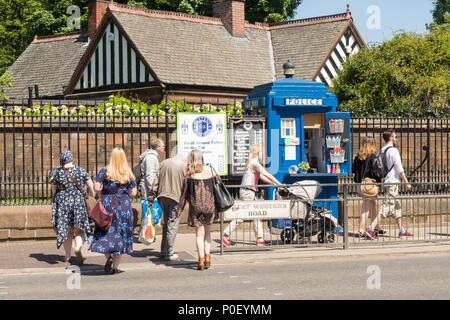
(100, 216)
(222, 196)
(90, 200)
(369, 190)
(96, 209)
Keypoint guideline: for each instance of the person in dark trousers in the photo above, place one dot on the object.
(391, 205)
(167, 189)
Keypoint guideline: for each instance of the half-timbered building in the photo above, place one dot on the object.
(153, 54)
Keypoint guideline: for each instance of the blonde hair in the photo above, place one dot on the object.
(368, 147)
(255, 150)
(118, 169)
(195, 162)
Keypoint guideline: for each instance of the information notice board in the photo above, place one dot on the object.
(244, 133)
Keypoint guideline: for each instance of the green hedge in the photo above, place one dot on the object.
(118, 106)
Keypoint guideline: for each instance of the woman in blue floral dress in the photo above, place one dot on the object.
(116, 184)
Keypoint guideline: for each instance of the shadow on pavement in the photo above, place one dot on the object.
(49, 258)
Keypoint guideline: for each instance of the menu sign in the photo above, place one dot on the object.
(244, 133)
(337, 139)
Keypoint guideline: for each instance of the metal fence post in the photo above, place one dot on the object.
(345, 216)
(221, 233)
(166, 109)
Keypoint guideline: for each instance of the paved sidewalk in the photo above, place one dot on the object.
(42, 256)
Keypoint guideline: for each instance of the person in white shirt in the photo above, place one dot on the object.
(391, 205)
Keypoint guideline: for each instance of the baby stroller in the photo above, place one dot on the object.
(308, 220)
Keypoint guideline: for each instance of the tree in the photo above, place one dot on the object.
(410, 71)
(5, 81)
(440, 8)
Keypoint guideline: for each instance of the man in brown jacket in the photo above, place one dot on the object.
(167, 188)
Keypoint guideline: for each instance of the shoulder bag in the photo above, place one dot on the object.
(90, 201)
(368, 190)
(96, 209)
(222, 196)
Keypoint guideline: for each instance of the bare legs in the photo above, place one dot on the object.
(116, 258)
(71, 232)
(369, 206)
(203, 240)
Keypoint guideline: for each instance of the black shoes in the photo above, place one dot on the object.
(108, 265)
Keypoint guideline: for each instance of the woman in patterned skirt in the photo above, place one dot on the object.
(69, 213)
(117, 185)
(198, 191)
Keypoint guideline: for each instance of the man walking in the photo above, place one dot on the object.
(391, 205)
(149, 168)
(167, 188)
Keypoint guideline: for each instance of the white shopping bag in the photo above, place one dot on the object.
(147, 235)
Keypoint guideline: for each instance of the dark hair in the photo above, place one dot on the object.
(387, 135)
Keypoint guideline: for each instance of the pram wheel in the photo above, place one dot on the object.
(287, 236)
(326, 237)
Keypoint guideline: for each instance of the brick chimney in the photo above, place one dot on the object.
(97, 9)
(232, 13)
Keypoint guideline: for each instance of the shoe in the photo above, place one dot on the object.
(173, 257)
(115, 271)
(360, 234)
(263, 243)
(226, 243)
(207, 261)
(405, 234)
(108, 265)
(371, 234)
(380, 231)
(79, 256)
(201, 264)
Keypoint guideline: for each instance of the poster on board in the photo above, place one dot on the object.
(207, 132)
(243, 133)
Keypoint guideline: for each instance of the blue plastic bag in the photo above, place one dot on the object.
(157, 213)
(144, 206)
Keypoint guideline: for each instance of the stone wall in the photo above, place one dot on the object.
(34, 222)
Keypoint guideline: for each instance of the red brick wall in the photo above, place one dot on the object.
(96, 11)
(232, 14)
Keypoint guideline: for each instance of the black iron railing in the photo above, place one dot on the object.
(33, 135)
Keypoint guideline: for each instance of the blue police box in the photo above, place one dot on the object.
(303, 126)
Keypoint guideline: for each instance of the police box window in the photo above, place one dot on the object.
(288, 128)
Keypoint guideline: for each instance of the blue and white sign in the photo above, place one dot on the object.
(303, 102)
(202, 126)
(206, 132)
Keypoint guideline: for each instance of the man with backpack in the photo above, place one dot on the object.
(388, 167)
(149, 166)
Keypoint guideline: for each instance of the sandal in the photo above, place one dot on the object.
(115, 271)
(360, 234)
(108, 265)
(79, 256)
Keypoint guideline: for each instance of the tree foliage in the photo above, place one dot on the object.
(21, 20)
(411, 71)
(440, 8)
(5, 81)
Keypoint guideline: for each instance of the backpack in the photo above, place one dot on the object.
(380, 169)
(137, 173)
